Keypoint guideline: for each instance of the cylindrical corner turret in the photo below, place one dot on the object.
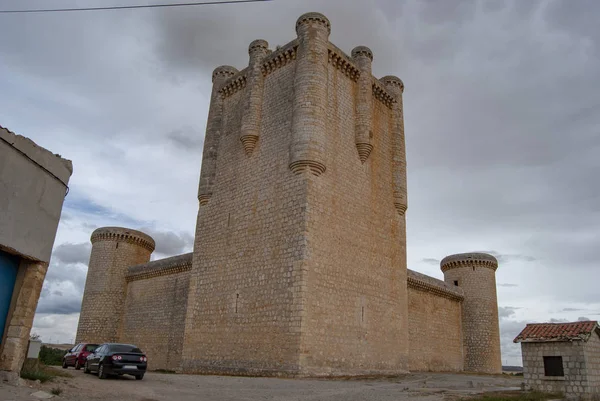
(475, 273)
(363, 57)
(395, 87)
(114, 249)
(309, 120)
(223, 73)
(214, 124)
(252, 114)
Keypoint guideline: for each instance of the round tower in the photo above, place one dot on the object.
(114, 249)
(475, 273)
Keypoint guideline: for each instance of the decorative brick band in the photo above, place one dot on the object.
(204, 198)
(280, 57)
(382, 94)
(162, 267)
(121, 234)
(312, 166)
(234, 84)
(364, 150)
(340, 61)
(425, 283)
(468, 260)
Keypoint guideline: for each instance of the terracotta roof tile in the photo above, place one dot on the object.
(542, 332)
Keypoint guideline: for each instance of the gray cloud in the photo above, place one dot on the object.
(583, 319)
(506, 311)
(506, 258)
(431, 261)
(571, 309)
(73, 253)
(508, 285)
(169, 243)
(188, 139)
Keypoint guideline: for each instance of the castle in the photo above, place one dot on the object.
(299, 263)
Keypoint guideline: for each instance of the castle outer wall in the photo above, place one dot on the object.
(155, 307)
(434, 324)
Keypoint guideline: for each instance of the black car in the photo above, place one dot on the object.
(117, 359)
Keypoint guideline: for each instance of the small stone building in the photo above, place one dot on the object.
(562, 357)
(33, 185)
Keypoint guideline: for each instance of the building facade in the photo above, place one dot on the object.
(299, 263)
(562, 358)
(33, 185)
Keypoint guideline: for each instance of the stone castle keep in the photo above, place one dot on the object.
(299, 264)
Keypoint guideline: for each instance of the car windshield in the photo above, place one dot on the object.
(124, 348)
(91, 347)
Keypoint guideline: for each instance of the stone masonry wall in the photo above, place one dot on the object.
(591, 351)
(356, 316)
(574, 382)
(434, 325)
(475, 274)
(154, 316)
(243, 314)
(114, 250)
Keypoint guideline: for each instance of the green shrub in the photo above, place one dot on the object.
(51, 356)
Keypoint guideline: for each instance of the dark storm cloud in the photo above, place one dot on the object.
(169, 243)
(73, 253)
(506, 311)
(188, 139)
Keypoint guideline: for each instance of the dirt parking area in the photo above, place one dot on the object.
(171, 387)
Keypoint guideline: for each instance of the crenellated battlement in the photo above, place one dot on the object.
(234, 83)
(280, 57)
(119, 234)
(468, 260)
(342, 62)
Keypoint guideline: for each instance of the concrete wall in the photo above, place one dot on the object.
(573, 384)
(155, 308)
(434, 325)
(33, 184)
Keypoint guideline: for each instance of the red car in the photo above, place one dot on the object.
(77, 355)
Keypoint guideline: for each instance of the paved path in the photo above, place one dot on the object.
(170, 387)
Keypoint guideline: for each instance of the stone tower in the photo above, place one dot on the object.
(475, 273)
(299, 263)
(114, 249)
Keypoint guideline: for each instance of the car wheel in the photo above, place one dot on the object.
(64, 365)
(101, 372)
(86, 368)
(77, 365)
(139, 377)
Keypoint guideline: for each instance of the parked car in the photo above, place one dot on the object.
(77, 355)
(117, 359)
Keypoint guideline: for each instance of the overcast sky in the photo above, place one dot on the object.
(502, 125)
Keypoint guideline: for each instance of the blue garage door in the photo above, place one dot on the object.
(9, 265)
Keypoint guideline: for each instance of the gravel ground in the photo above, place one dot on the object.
(171, 387)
